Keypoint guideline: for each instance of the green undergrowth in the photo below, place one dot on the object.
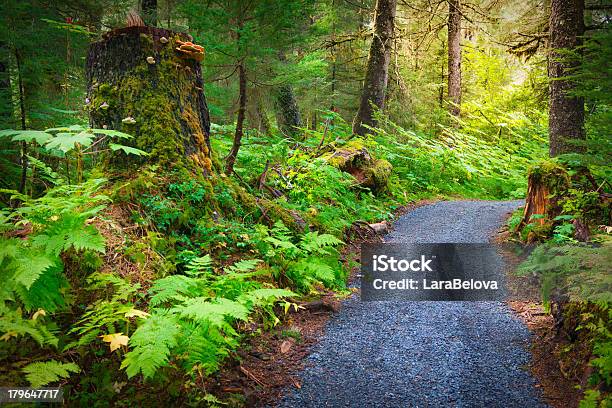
(574, 276)
(154, 280)
(475, 159)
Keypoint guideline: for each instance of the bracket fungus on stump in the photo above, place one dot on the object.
(161, 104)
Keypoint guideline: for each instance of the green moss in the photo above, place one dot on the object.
(377, 176)
(355, 159)
(266, 210)
(550, 174)
(159, 97)
(352, 154)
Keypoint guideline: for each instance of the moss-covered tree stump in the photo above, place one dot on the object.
(147, 82)
(547, 183)
(355, 159)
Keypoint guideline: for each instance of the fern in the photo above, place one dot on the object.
(151, 344)
(45, 172)
(170, 288)
(46, 292)
(29, 266)
(70, 231)
(203, 310)
(205, 346)
(312, 242)
(313, 260)
(199, 266)
(12, 324)
(259, 297)
(41, 374)
(281, 232)
(105, 315)
(245, 265)
(121, 288)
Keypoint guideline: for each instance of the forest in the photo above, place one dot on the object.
(185, 186)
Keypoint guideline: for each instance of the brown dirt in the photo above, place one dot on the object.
(559, 391)
(268, 363)
(113, 224)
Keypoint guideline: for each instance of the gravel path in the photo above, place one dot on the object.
(424, 354)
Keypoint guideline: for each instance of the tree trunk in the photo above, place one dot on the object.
(140, 83)
(289, 119)
(566, 112)
(242, 80)
(256, 114)
(149, 12)
(6, 102)
(288, 112)
(454, 56)
(22, 111)
(377, 72)
(547, 183)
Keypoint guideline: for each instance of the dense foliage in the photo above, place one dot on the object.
(122, 285)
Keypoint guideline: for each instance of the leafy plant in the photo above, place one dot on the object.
(193, 317)
(313, 259)
(70, 143)
(41, 374)
(31, 268)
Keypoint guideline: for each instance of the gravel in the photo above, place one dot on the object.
(424, 354)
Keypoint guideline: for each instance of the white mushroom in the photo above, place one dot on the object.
(163, 40)
(129, 120)
(104, 105)
(151, 60)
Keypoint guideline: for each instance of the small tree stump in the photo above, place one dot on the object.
(145, 82)
(547, 182)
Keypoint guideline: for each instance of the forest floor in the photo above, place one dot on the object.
(424, 354)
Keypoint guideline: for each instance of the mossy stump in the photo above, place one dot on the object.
(547, 183)
(145, 82)
(355, 159)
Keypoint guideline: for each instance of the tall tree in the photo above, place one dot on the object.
(241, 37)
(377, 73)
(454, 56)
(6, 103)
(289, 118)
(288, 112)
(566, 111)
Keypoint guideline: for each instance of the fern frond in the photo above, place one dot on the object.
(199, 266)
(151, 344)
(312, 242)
(168, 288)
(84, 238)
(203, 310)
(281, 232)
(242, 266)
(30, 265)
(13, 325)
(123, 290)
(40, 374)
(45, 292)
(205, 346)
(70, 231)
(255, 297)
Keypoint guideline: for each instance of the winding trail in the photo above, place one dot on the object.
(424, 354)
